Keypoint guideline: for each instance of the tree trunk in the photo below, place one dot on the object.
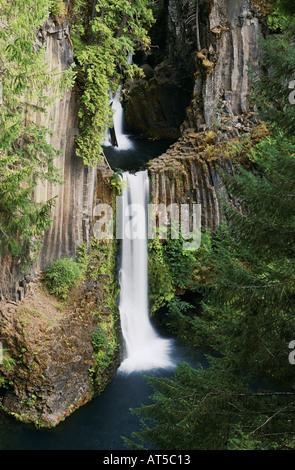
(197, 26)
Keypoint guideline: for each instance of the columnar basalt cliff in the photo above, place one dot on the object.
(224, 49)
(50, 362)
(223, 64)
(72, 214)
(199, 95)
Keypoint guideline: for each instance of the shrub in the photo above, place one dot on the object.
(63, 275)
(99, 339)
(57, 8)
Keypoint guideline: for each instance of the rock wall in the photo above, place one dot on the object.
(53, 352)
(74, 198)
(155, 104)
(72, 214)
(227, 43)
(228, 51)
(51, 368)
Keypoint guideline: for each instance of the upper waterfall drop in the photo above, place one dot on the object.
(118, 139)
(144, 348)
(124, 143)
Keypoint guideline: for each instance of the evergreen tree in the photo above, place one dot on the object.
(28, 86)
(245, 398)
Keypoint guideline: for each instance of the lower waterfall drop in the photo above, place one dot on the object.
(144, 348)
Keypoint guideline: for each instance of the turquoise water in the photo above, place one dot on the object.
(99, 424)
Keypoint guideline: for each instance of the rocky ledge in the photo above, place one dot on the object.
(50, 365)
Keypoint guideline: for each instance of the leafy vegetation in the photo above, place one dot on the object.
(99, 339)
(57, 8)
(104, 345)
(102, 45)
(245, 398)
(26, 157)
(172, 269)
(63, 275)
(102, 266)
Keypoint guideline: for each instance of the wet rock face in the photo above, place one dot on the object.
(155, 104)
(72, 213)
(47, 374)
(224, 46)
(185, 175)
(222, 68)
(227, 47)
(207, 57)
(51, 367)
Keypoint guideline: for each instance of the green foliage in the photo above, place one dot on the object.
(8, 363)
(101, 48)
(276, 20)
(63, 275)
(103, 263)
(101, 271)
(172, 269)
(104, 342)
(26, 158)
(201, 409)
(181, 319)
(245, 398)
(99, 339)
(116, 182)
(271, 91)
(57, 8)
(255, 268)
(286, 7)
(161, 287)
(83, 256)
(247, 318)
(22, 220)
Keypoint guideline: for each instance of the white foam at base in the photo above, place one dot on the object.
(144, 348)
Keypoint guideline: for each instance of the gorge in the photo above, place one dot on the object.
(167, 127)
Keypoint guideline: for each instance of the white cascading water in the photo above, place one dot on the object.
(123, 141)
(144, 348)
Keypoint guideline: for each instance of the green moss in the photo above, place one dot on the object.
(161, 288)
(173, 270)
(102, 267)
(103, 263)
(58, 8)
(8, 363)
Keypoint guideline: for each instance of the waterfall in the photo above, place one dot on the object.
(144, 348)
(122, 140)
